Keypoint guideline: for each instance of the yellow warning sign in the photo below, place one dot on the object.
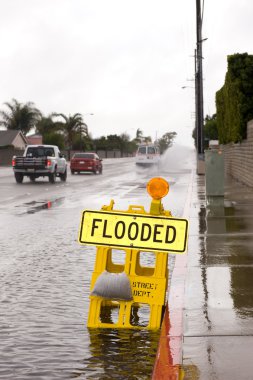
(124, 230)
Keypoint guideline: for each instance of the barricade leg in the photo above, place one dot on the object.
(148, 284)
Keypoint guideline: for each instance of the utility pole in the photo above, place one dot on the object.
(196, 101)
(199, 91)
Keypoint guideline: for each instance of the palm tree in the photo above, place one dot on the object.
(51, 131)
(73, 125)
(20, 116)
(166, 141)
(139, 134)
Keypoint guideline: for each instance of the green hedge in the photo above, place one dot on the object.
(234, 101)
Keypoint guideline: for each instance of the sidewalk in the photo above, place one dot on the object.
(218, 312)
(212, 336)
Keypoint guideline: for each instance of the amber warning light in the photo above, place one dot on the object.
(157, 188)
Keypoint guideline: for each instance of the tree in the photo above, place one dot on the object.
(113, 142)
(132, 146)
(100, 143)
(84, 143)
(166, 141)
(140, 138)
(210, 129)
(194, 136)
(147, 139)
(139, 135)
(72, 127)
(22, 117)
(234, 101)
(51, 131)
(123, 143)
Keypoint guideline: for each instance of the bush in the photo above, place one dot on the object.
(234, 101)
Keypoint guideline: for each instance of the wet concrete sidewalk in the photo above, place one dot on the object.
(217, 341)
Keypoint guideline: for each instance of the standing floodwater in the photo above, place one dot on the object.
(45, 277)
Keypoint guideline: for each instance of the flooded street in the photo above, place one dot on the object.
(45, 277)
(45, 274)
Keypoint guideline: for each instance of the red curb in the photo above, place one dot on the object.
(169, 353)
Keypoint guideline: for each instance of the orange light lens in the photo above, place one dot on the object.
(157, 187)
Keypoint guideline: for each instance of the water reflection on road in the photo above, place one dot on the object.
(219, 303)
(120, 354)
(45, 280)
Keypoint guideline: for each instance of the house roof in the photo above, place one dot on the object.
(7, 137)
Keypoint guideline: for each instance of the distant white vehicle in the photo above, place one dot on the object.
(147, 154)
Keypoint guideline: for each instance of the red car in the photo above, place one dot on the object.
(86, 162)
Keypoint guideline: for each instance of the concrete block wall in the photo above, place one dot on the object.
(6, 154)
(239, 158)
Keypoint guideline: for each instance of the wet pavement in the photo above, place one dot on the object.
(45, 279)
(45, 274)
(218, 309)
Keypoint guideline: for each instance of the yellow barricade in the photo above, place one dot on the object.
(155, 232)
(148, 286)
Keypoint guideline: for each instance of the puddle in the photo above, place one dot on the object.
(36, 206)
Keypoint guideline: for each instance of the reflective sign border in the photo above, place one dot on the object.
(132, 247)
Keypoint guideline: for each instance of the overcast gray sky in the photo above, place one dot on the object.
(123, 61)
